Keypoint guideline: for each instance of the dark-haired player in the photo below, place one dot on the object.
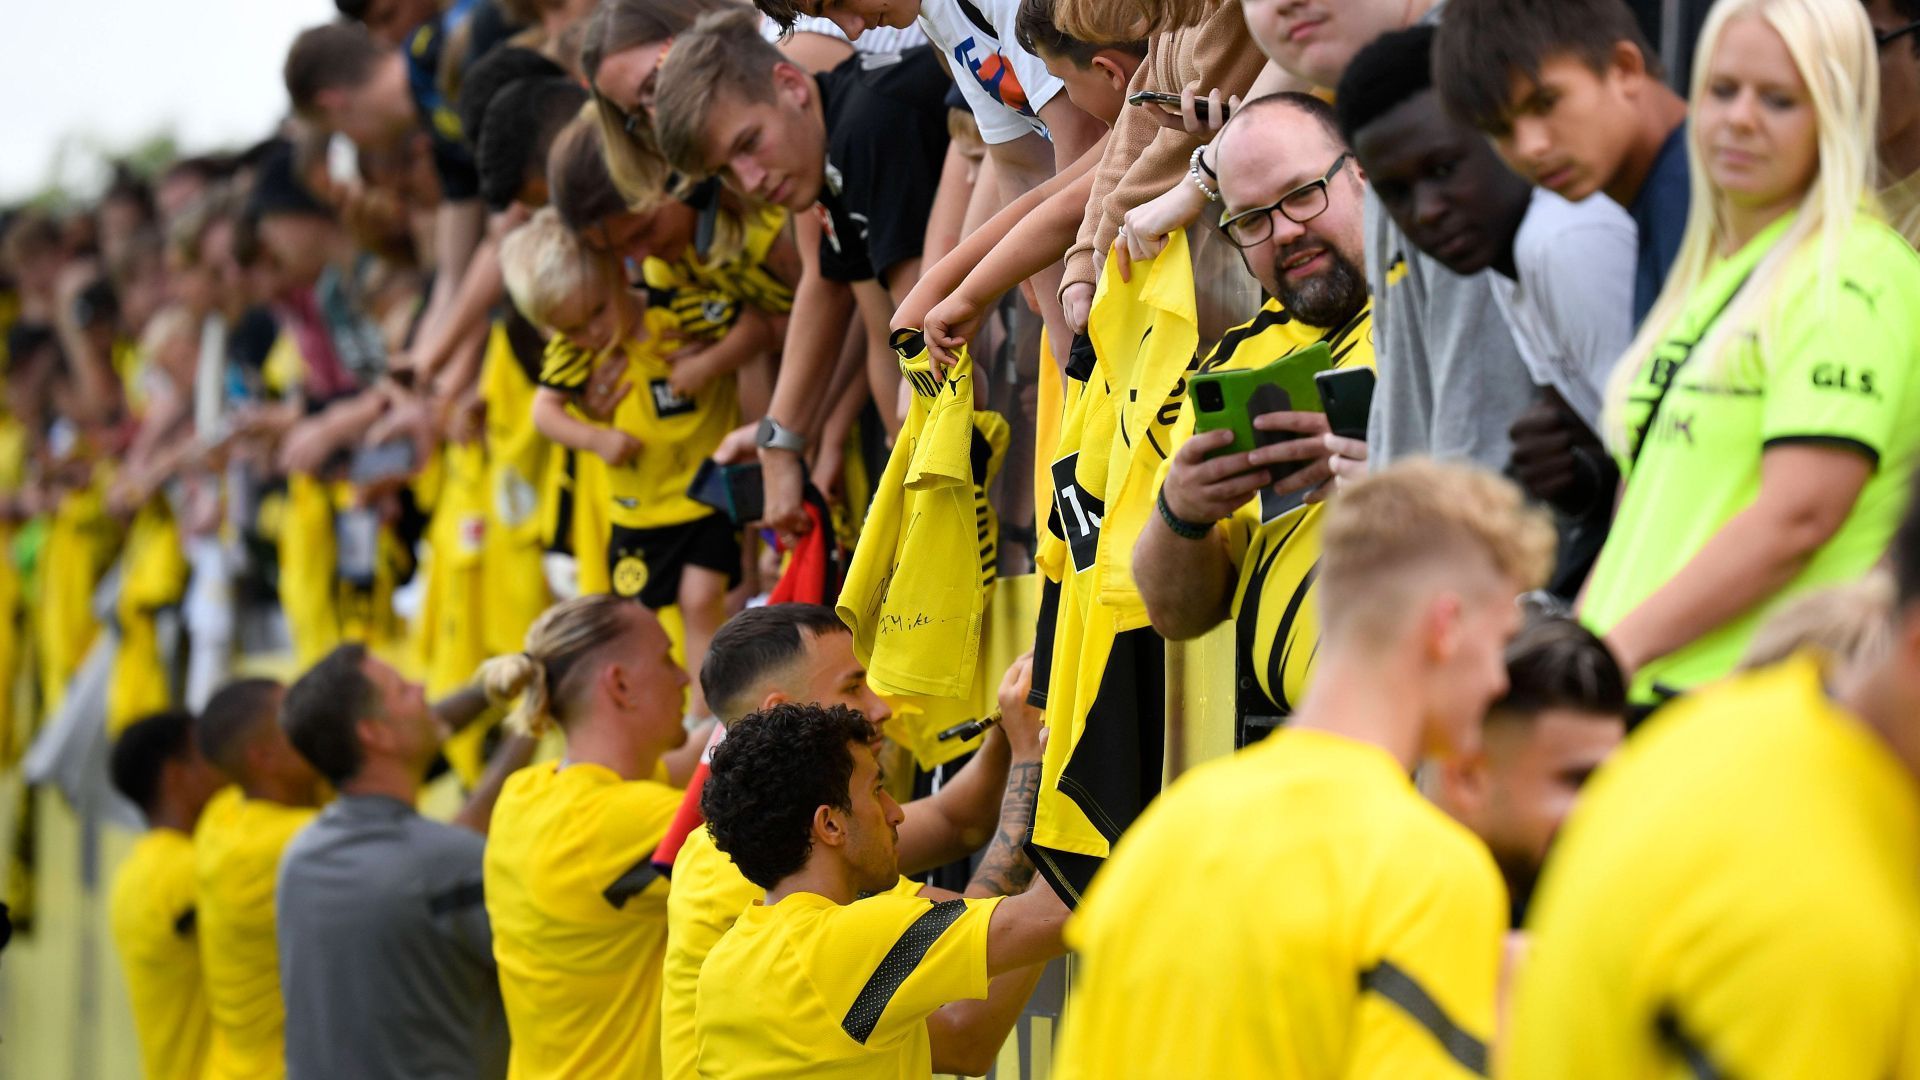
(840, 970)
(803, 653)
(153, 912)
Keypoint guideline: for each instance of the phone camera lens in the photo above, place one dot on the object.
(1209, 397)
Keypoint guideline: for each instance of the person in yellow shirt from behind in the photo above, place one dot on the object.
(803, 653)
(237, 856)
(665, 548)
(838, 973)
(1299, 910)
(578, 910)
(1736, 894)
(154, 909)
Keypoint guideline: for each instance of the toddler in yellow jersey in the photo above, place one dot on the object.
(665, 548)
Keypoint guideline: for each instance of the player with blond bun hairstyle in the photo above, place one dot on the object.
(579, 913)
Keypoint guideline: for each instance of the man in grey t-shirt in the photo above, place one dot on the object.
(386, 955)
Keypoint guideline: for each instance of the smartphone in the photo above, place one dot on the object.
(1172, 102)
(356, 539)
(1347, 397)
(1230, 400)
(376, 464)
(734, 490)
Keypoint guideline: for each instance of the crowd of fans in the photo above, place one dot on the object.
(762, 452)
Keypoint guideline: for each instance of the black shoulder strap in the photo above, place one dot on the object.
(1673, 376)
(1400, 988)
(899, 963)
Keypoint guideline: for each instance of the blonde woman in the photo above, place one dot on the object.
(579, 914)
(1766, 416)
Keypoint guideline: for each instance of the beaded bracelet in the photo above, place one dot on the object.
(1199, 179)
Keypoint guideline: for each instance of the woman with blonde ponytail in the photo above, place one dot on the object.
(579, 914)
(1767, 415)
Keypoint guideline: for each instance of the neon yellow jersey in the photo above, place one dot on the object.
(1355, 933)
(237, 853)
(1737, 887)
(1275, 544)
(918, 586)
(579, 920)
(1837, 377)
(804, 987)
(154, 916)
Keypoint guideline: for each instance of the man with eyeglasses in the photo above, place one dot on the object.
(1896, 28)
(1234, 536)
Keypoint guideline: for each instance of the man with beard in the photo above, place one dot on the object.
(1231, 539)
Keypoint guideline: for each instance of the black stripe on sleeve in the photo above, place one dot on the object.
(1402, 990)
(632, 883)
(899, 963)
(1831, 442)
(464, 895)
(1676, 1039)
(187, 923)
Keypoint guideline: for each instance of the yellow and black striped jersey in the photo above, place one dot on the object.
(1274, 542)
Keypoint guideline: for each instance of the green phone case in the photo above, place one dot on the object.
(1231, 399)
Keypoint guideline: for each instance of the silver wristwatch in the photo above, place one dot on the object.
(773, 436)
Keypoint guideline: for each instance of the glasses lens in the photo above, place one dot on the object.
(1306, 204)
(1250, 229)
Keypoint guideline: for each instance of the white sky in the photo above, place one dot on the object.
(117, 71)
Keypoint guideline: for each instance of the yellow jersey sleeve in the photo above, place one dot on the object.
(884, 963)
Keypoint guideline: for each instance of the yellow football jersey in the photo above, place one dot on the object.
(808, 987)
(154, 915)
(579, 920)
(518, 459)
(676, 434)
(1356, 932)
(1735, 895)
(708, 894)
(237, 848)
(918, 620)
(1275, 543)
(744, 270)
(155, 576)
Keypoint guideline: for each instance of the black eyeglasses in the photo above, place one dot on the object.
(1888, 37)
(1301, 205)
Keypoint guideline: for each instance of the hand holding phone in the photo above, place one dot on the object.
(1202, 110)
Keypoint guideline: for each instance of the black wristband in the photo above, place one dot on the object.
(1181, 527)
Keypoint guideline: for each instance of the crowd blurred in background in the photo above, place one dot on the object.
(645, 423)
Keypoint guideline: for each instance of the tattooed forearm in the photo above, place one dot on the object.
(1004, 869)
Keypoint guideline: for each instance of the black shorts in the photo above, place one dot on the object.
(645, 564)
